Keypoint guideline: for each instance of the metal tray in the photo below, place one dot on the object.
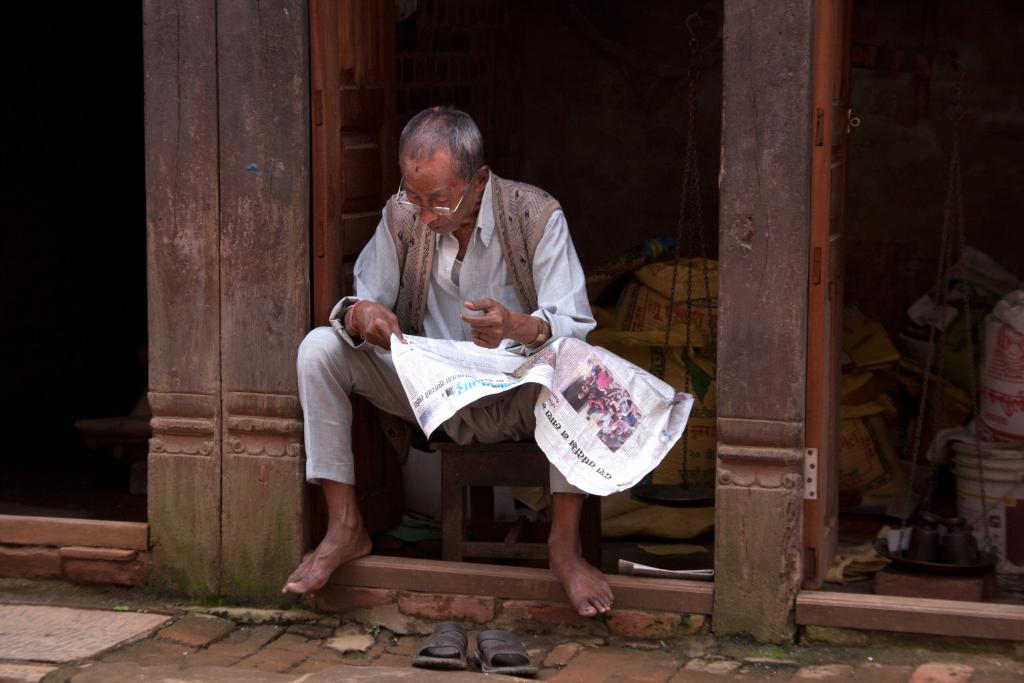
(674, 496)
(985, 563)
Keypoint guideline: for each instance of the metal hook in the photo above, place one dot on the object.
(851, 121)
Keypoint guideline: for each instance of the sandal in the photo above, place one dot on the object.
(500, 652)
(444, 649)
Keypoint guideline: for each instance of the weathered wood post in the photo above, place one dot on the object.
(263, 81)
(228, 197)
(765, 214)
(182, 207)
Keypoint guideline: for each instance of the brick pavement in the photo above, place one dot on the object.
(195, 647)
(268, 645)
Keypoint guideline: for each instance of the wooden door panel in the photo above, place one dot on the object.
(825, 286)
(360, 159)
(837, 190)
(354, 138)
(354, 171)
(362, 107)
(324, 66)
(357, 228)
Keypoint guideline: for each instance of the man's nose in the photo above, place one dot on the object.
(427, 216)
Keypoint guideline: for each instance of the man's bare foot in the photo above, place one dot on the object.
(316, 567)
(346, 539)
(585, 585)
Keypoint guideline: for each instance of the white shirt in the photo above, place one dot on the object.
(557, 275)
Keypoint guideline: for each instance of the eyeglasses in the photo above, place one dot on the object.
(403, 199)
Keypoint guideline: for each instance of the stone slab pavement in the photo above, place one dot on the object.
(188, 644)
(45, 633)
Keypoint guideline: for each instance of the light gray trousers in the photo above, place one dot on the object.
(329, 370)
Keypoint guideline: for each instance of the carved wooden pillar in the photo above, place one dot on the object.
(184, 283)
(765, 188)
(262, 54)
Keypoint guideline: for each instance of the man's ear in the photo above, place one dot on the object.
(482, 174)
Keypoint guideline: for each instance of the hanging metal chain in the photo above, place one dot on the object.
(940, 288)
(690, 221)
(956, 171)
(953, 228)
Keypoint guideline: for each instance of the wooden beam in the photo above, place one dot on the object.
(764, 191)
(911, 615)
(517, 583)
(97, 533)
(765, 216)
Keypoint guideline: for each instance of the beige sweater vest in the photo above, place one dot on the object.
(520, 213)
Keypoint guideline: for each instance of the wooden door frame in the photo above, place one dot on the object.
(824, 300)
(354, 170)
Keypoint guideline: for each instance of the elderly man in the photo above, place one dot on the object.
(459, 254)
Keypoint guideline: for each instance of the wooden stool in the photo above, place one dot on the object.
(482, 467)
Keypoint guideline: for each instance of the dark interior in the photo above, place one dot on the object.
(74, 255)
(910, 61)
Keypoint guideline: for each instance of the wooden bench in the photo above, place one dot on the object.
(481, 467)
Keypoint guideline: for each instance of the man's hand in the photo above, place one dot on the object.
(375, 323)
(497, 323)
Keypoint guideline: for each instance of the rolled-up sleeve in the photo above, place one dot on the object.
(558, 276)
(376, 278)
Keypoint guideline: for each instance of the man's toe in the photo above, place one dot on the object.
(297, 582)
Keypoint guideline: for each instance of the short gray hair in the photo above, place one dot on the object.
(448, 127)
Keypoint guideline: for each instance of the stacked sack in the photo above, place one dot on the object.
(869, 472)
(880, 401)
(635, 330)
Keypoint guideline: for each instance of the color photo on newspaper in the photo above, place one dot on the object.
(604, 404)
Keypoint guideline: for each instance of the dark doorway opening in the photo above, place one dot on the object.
(73, 262)
(907, 64)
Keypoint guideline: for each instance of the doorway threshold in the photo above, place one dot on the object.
(995, 621)
(517, 583)
(69, 531)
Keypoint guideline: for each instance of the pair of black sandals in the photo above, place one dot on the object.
(497, 651)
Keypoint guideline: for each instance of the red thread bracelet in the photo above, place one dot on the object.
(351, 317)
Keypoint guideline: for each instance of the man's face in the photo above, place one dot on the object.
(435, 182)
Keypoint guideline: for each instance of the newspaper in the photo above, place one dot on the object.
(636, 569)
(602, 421)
